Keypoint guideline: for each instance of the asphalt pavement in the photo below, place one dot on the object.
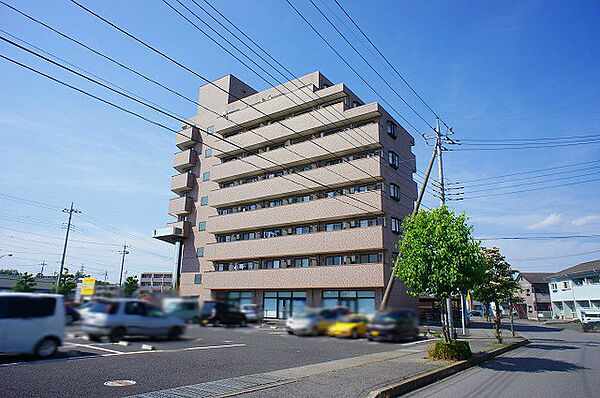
(557, 362)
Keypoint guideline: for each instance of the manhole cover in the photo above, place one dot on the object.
(119, 383)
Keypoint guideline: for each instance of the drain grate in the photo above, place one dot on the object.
(218, 388)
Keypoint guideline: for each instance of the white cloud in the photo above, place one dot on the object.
(589, 219)
(552, 219)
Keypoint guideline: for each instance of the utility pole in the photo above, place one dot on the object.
(64, 253)
(124, 252)
(105, 275)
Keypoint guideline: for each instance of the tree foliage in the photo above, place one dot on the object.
(498, 285)
(437, 255)
(68, 283)
(9, 272)
(130, 285)
(26, 283)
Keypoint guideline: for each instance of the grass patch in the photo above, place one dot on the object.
(453, 351)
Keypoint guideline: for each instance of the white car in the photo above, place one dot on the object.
(129, 317)
(31, 323)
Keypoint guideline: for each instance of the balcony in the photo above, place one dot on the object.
(276, 106)
(542, 297)
(184, 160)
(173, 232)
(306, 123)
(355, 239)
(298, 213)
(180, 206)
(356, 171)
(335, 277)
(181, 183)
(340, 144)
(187, 138)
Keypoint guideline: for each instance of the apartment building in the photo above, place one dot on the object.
(289, 197)
(575, 289)
(156, 281)
(535, 295)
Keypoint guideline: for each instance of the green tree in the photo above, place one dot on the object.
(437, 256)
(26, 283)
(130, 285)
(498, 285)
(68, 283)
(9, 272)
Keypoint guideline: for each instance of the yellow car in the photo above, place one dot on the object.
(353, 325)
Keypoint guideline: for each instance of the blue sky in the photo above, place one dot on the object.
(509, 70)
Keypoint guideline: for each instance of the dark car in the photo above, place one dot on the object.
(220, 313)
(393, 325)
(71, 315)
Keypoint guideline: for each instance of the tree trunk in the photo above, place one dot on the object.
(498, 323)
(512, 322)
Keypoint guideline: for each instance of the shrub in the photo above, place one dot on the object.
(452, 351)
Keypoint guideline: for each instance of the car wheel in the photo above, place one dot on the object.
(174, 333)
(354, 334)
(69, 319)
(216, 322)
(116, 335)
(46, 348)
(93, 337)
(370, 338)
(290, 332)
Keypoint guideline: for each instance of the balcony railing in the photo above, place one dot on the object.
(187, 138)
(181, 183)
(180, 206)
(184, 160)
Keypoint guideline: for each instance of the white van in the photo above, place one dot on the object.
(31, 323)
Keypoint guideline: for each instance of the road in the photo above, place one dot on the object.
(203, 355)
(557, 363)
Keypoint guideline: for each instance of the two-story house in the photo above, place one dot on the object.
(575, 289)
(535, 294)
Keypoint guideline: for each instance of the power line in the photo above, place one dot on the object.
(540, 237)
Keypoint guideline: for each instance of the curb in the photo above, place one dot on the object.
(416, 382)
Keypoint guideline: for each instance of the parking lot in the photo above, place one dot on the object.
(203, 354)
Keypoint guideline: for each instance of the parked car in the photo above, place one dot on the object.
(314, 321)
(253, 312)
(31, 323)
(84, 308)
(71, 315)
(183, 308)
(129, 317)
(219, 313)
(353, 325)
(475, 313)
(393, 325)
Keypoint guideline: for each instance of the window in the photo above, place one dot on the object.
(299, 199)
(333, 226)
(223, 238)
(393, 159)
(245, 265)
(135, 308)
(565, 285)
(370, 258)
(248, 235)
(272, 233)
(198, 279)
(529, 308)
(333, 260)
(394, 191)
(274, 203)
(302, 230)
(271, 264)
(357, 301)
(208, 153)
(554, 287)
(395, 224)
(202, 226)
(221, 267)
(578, 281)
(593, 280)
(301, 262)
(355, 104)
(368, 222)
(204, 201)
(206, 176)
(391, 129)
(210, 129)
(528, 292)
(200, 251)
(26, 307)
(331, 194)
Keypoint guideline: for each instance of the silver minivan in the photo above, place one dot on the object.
(31, 323)
(130, 317)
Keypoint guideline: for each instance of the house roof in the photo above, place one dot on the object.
(583, 268)
(536, 277)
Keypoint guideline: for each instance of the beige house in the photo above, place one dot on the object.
(289, 197)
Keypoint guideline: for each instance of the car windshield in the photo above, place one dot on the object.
(85, 305)
(352, 319)
(208, 307)
(306, 315)
(248, 307)
(173, 306)
(105, 307)
(387, 317)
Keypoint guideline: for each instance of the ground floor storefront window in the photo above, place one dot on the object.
(239, 298)
(282, 305)
(358, 301)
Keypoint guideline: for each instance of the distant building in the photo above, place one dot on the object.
(156, 281)
(575, 289)
(535, 294)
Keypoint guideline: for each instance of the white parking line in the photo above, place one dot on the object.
(120, 353)
(93, 347)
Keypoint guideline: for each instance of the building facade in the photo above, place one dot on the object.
(290, 197)
(536, 296)
(575, 289)
(156, 281)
